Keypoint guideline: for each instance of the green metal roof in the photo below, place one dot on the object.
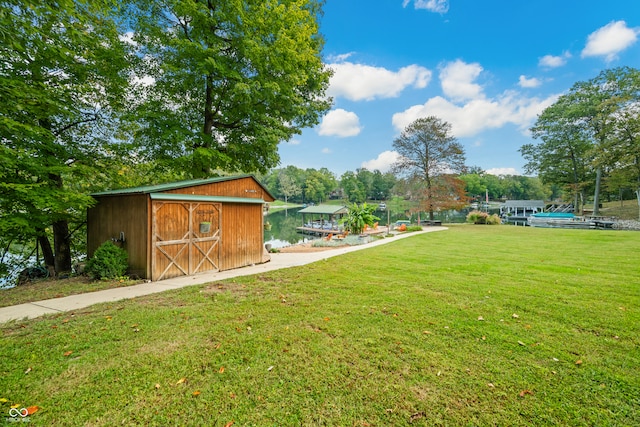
(201, 198)
(324, 209)
(175, 185)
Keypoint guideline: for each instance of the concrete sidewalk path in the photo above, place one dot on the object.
(278, 261)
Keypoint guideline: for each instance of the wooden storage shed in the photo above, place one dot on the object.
(183, 228)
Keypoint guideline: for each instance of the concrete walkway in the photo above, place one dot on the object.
(278, 261)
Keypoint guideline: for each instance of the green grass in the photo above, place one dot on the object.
(420, 331)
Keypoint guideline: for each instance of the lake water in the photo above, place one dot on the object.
(283, 224)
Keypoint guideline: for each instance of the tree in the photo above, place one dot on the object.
(565, 154)
(63, 79)
(429, 155)
(229, 80)
(619, 149)
(288, 186)
(319, 184)
(587, 130)
(353, 189)
(382, 185)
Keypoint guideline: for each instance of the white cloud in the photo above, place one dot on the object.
(479, 114)
(467, 108)
(456, 79)
(551, 61)
(357, 82)
(293, 141)
(502, 171)
(340, 123)
(610, 40)
(326, 151)
(438, 6)
(383, 162)
(532, 82)
(339, 58)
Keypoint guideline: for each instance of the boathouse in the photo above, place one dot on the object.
(518, 211)
(183, 228)
(322, 219)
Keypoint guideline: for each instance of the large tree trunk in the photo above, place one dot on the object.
(61, 238)
(62, 247)
(47, 252)
(596, 196)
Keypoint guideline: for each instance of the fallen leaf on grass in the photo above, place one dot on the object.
(270, 368)
(157, 386)
(221, 370)
(28, 370)
(416, 416)
(578, 362)
(32, 410)
(515, 316)
(491, 385)
(480, 318)
(196, 393)
(426, 332)
(229, 424)
(521, 343)
(3, 400)
(67, 353)
(523, 393)
(181, 381)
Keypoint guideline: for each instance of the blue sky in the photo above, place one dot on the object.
(486, 67)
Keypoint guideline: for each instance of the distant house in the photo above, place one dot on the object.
(183, 228)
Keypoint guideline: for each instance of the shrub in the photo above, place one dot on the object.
(479, 217)
(359, 216)
(108, 262)
(494, 220)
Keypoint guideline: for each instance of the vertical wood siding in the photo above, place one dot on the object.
(115, 214)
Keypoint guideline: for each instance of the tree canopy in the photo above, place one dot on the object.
(62, 85)
(592, 127)
(227, 81)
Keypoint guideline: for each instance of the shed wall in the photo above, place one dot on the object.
(242, 241)
(115, 214)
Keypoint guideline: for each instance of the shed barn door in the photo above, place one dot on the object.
(186, 238)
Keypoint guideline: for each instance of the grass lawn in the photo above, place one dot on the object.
(476, 325)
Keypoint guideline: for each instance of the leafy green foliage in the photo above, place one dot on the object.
(358, 216)
(62, 68)
(231, 80)
(108, 262)
(593, 126)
